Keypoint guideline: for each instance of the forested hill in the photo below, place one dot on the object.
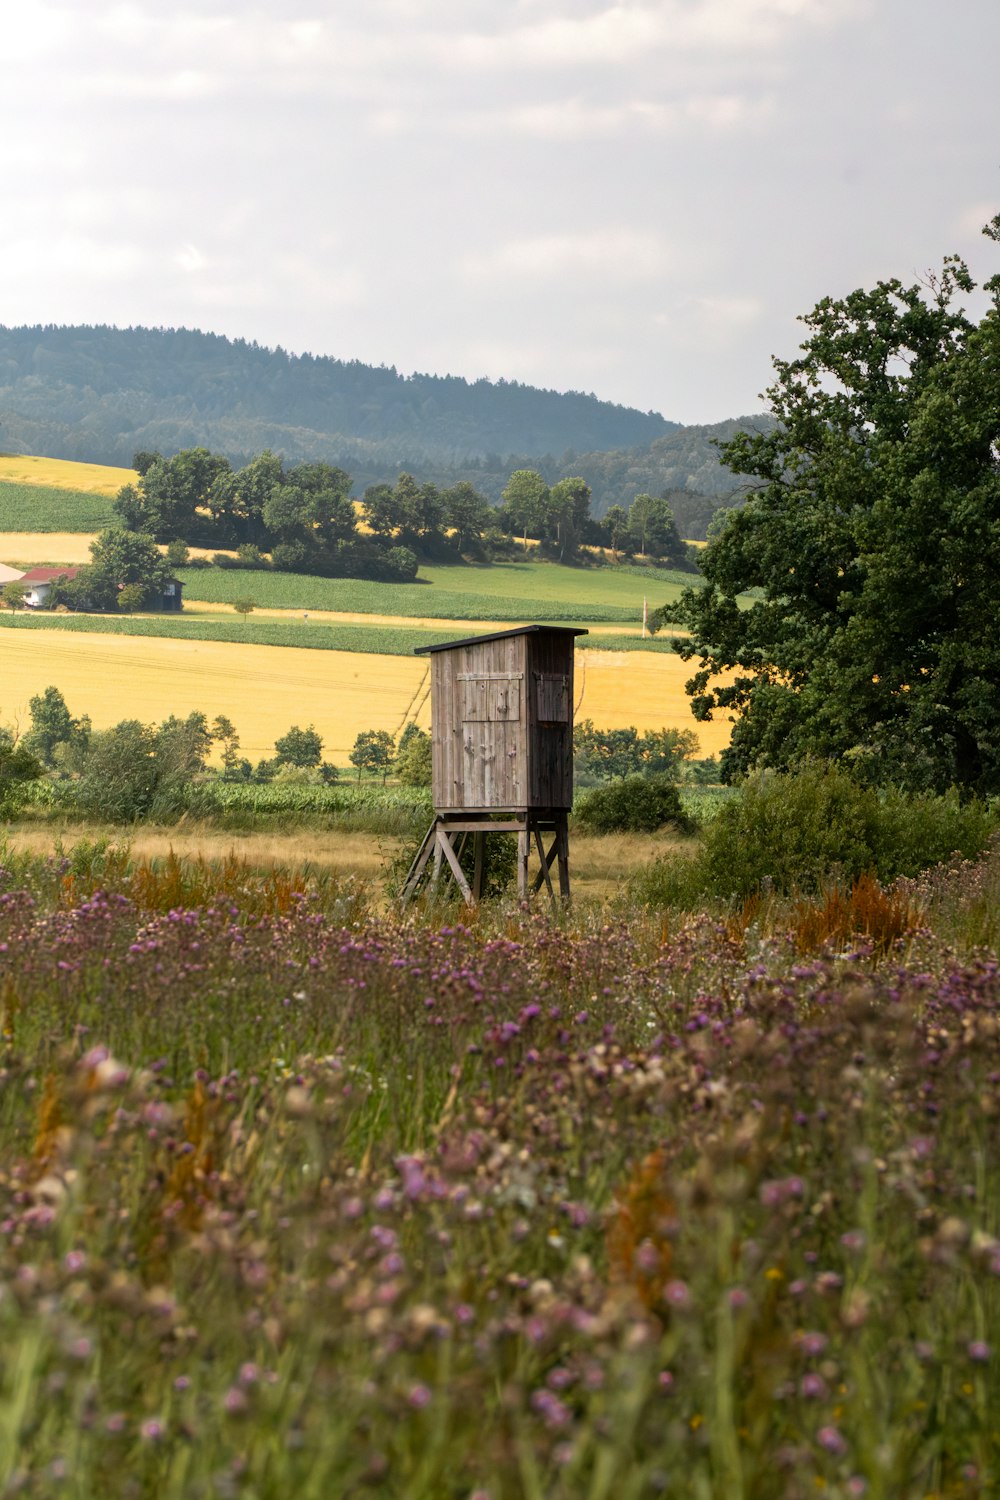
(99, 393)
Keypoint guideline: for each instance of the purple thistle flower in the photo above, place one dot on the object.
(832, 1440)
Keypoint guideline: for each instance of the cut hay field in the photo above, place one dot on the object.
(111, 677)
(34, 549)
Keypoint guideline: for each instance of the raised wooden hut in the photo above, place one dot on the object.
(502, 731)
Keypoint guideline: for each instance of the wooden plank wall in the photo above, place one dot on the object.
(550, 720)
(502, 724)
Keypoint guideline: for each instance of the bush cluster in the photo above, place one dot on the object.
(638, 804)
(794, 832)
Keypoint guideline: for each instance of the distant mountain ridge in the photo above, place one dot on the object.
(99, 394)
(203, 382)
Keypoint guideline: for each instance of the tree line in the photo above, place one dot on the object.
(303, 516)
(130, 381)
(133, 770)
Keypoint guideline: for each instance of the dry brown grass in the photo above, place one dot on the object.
(868, 910)
(359, 854)
(598, 866)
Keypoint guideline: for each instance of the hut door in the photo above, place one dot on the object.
(490, 697)
(491, 731)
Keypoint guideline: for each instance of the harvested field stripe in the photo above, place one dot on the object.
(64, 474)
(264, 691)
(32, 549)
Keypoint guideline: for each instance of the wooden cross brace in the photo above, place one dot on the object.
(444, 842)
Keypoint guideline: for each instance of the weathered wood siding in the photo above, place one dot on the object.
(502, 724)
(550, 721)
(479, 726)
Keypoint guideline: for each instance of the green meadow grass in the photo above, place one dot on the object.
(378, 640)
(533, 591)
(35, 507)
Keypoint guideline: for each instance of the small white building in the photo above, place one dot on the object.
(39, 583)
(9, 575)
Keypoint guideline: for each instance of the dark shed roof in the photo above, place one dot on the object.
(499, 635)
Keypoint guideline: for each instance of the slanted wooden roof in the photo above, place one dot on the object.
(48, 575)
(500, 635)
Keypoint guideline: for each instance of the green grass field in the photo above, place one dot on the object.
(378, 640)
(535, 591)
(35, 507)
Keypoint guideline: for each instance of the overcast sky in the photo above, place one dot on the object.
(635, 199)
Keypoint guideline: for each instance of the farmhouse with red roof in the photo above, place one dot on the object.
(40, 582)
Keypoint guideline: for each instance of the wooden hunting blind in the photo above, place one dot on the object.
(502, 738)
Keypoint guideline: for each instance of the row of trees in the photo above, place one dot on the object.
(304, 517)
(134, 770)
(871, 540)
(558, 517)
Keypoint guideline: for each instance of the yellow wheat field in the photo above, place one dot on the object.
(50, 548)
(35, 549)
(619, 688)
(60, 474)
(265, 689)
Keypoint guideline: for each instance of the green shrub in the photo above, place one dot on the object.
(18, 768)
(675, 880)
(797, 832)
(791, 832)
(639, 804)
(915, 832)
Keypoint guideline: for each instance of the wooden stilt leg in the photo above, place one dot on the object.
(562, 843)
(479, 868)
(438, 856)
(418, 866)
(523, 847)
(456, 868)
(543, 874)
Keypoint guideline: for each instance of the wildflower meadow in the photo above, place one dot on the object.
(299, 1198)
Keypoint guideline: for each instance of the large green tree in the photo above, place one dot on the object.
(872, 546)
(53, 725)
(120, 558)
(525, 498)
(170, 492)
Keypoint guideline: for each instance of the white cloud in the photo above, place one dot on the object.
(33, 32)
(75, 256)
(190, 259)
(717, 321)
(576, 119)
(972, 219)
(618, 254)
